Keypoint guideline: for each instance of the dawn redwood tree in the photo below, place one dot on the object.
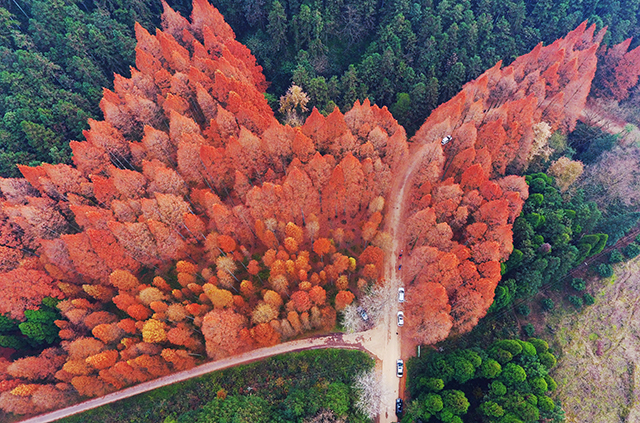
(211, 226)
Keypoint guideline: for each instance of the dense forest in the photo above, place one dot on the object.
(175, 218)
(410, 56)
(507, 382)
(193, 222)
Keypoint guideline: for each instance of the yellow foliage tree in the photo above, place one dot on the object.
(566, 172)
(220, 298)
(153, 332)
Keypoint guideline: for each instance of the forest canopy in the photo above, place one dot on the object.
(192, 223)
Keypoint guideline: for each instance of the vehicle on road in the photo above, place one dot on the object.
(363, 313)
(399, 368)
(445, 140)
(400, 318)
(401, 295)
(400, 256)
(399, 407)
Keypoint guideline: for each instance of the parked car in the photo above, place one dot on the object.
(363, 313)
(399, 368)
(445, 140)
(399, 407)
(400, 318)
(401, 295)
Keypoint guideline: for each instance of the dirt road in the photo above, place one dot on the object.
(394, 387)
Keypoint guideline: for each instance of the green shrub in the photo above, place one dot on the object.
(578, 284)
(615, 257)
(497, 389)
(489, 369)
(491, 409)
(8, 324)
(501, 356)
(575, 301)
(540, 345)
(455, 401)
(605, 270)
(433, 403)
(536, 199)
(538, 385)
(464, 369)
(535, 219)
(515, 259)
(431, 384)
(632, 250)
(529, 329)
(512, 374)
(547, 359)
(547, 304)
(472, 356)
(588, 299)
(545, 403)
(523, 310)
(599, 246)
(510, 345)
(551, 383)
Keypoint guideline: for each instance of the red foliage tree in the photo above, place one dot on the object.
(221, 330)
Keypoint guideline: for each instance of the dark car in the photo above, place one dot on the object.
(399, 407)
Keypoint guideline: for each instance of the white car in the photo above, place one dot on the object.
(445, 140)
(400, 318)
(399, 368)
(401, 295)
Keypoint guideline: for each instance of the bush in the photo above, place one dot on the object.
(433, 403)
(578, 284)
(632, 250)
(455, 401)
(523, 310)
(605, 270)
(510, 345)
(538, 385)
(492, 409)
(615, 257)
(548, 360)
(527, 348)
(513, 373)
(431, 384)
(489, 369)
(540, 345)
(464, 370)
(547, 304)
(498, 389)
(529, 329)
(545, 404)
(551, 383)
(588, 299)
(575, 301)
